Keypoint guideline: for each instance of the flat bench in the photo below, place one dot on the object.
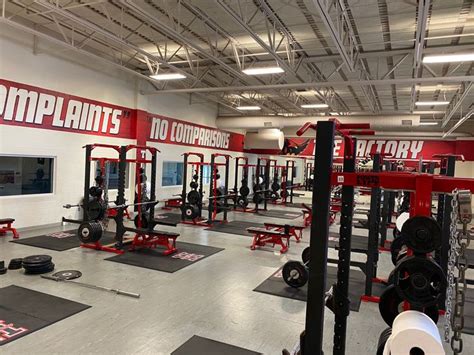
(291, 229)
(146, 238)
(6, 226)
(262, 236)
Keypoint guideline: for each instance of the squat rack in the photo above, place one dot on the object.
(421, 187)
(215, 194)
(198, 168)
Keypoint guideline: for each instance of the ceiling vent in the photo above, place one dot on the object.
(407, 123)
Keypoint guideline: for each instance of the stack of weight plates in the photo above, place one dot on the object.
(38, 264)
(15, 264)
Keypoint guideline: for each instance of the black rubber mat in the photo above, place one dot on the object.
(359, 244)
(359, 224)
(279, 214)
(60, 240)
(295, 204)
(168, 218)
(24, 311)
(203, 346)
(234, 227)
(275, 285)
(154, 259)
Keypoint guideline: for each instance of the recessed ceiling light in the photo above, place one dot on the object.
(314, 105)
(431, 103)
(168, 76)
(449, 58)
(248, 108)
(428, 123)
(263, 71)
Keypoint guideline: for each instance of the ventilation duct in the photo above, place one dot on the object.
(271, 138)
(258, 122)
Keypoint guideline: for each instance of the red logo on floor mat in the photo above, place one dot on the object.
(60, 235)
(8, 331)
(188, 256)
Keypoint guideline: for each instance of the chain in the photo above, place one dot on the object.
(458, 242)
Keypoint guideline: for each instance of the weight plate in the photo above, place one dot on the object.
(295, 274)
(244, 191)
(194, 185)
(89, 232)
(283, 194)
(195, 177)
(34, 260)
(420, 281)
(194, 197)
(95, 191)
(305, 255)
(144, 218)
(43, 270)
(67, 274)
(391, 304)
(274, 196)
(422, 234)
(242, 201)
(258, 198)
(96, 210)
(395, 248)
(383, 340)
(275, 186)
(15, 264)
(191, 211)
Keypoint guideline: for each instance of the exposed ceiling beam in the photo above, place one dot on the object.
(456, 102)
(406, 81)
(459, 123)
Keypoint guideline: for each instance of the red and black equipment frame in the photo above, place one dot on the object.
(263, 170)
(241, 164)
(421, 187)
(217, 196)
(197, 167)
(287, 186)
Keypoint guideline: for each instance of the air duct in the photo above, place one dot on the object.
(271, 138)
(258, 122)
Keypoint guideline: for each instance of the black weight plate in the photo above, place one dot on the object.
(89, 232)
(305, 255)
(383, 340)
(194, 197)
(194, 185)
(144, 220)
(195, 177)
(43, 270)
(67, 274)
(283, 194)
(258, 198)
(274, 196)
(33, 260)
(242, 201)
(96, 210)
(244, 191)
(422, 234)
(420, 281)
(191, 211)
(395, 248)
(15, 264)
(275, 186)
(295, 274)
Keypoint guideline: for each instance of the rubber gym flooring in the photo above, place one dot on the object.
(211, 299)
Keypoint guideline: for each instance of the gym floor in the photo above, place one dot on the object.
(212, 298)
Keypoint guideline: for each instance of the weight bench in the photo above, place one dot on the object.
(262, 236)
(145, 238)
(294, 230)
(6, 226)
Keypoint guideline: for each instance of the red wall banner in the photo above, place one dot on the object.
(397, 148)
(30, 106)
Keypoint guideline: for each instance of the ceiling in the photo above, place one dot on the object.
(356, 56)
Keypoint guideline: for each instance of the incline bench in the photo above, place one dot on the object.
(6, 226)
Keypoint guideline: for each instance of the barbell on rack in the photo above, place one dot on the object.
(116, 206)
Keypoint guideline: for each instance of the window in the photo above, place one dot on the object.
(172, 173)
(20, 175)
(113, 168)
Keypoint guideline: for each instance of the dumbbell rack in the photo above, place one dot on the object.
(421, 187)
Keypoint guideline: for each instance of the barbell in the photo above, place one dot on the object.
(116, 206)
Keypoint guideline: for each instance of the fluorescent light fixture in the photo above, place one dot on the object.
(263, 70)
(430, 123)
(168, 76)
(449, 58)
(248, 108)
(431, 103)
(315, 106)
